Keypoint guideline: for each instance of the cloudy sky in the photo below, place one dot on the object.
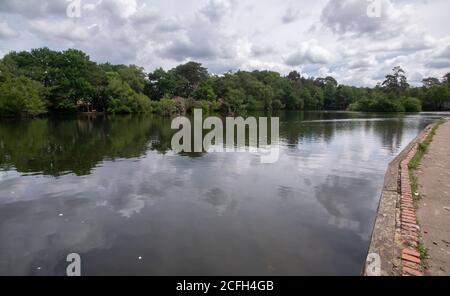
(349, 39)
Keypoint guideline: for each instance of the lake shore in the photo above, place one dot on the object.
(396, 238)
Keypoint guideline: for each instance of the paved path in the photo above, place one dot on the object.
(434, 207)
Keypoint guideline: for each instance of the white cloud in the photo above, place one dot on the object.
(350, 17)
(120, 8)
(6, 31)
(315, 37)
(216, 10)
(309, 53)
(64, 29)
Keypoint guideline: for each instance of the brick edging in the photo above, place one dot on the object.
(411, 264)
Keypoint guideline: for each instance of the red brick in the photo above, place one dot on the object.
(412, 225)
(409, 212)
(406, 227)
(411, 252)
(410, 265)
(406, 202)
(408, 217)
(410, 258)
(409, 221)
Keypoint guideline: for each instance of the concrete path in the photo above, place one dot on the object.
(434, 207)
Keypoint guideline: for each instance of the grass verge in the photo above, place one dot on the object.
(415, 161)
(412, 166)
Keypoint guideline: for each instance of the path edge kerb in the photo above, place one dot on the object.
(384, 240)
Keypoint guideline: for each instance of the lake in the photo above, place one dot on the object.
(111, 190)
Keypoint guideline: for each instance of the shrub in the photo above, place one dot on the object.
(123, 99)
(385, 104)
(412, 105)
(22, 96)
(164, 107)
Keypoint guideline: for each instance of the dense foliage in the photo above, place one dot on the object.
(43, 80)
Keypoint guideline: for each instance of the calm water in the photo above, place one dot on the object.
(111, 190)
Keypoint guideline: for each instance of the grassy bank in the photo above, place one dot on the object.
(412, 166)
(415, 161)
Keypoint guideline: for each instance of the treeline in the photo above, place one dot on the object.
(43, 81)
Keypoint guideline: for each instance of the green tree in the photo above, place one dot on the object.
(189, 76)
(21, 96)
(234, 100)
(436, 97)
(412, 104)
(133, 75)
(122, 98)
(430, 82)
(396, 82)
(446, 79)
(160, 83)
(205, 91)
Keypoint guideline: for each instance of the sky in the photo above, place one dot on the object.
(356, 41)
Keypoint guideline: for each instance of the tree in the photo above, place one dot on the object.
(21, 96)
(436, 97)
(160, 83)
(344, 96)
(396, 83)
(99, 82)
(412, 105)
(4, 73)
(189, 76)
(133, 75)
(234, 100)
(66, 78)
(205, 91)
(446, 79)
(294, 76)
(430, 82)
(122, 98)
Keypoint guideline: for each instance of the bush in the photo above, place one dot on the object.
(360, 105)
(22, 96)
(141, 104)
(164, 107)
(123, 99)
(412, 105)
(204, 105)
(385, 104)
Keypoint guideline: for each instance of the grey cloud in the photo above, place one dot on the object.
(216, 10)
(261, 50)
(439, 63)
(351, 17)
(205, 46)
(221, 34)
(181, 50)
(169, 25)
(145, 16)
(66, 29)
(120, 8)
(309, 53)
(34, 9)
(445, 53)
(365, 62)
(6, 31)
(291, 15)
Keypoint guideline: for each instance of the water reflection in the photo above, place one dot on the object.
(111, 190)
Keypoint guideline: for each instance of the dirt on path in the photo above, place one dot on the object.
(434, 207)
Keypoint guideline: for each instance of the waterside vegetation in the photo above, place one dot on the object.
(46, 81)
